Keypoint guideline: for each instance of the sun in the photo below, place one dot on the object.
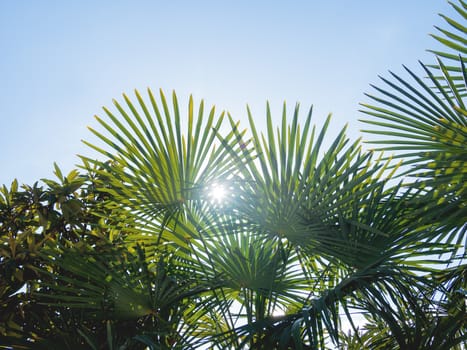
(217, 192)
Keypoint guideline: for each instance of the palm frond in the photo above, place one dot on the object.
(429, 126)
(152, 167)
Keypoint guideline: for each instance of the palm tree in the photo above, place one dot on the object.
(304, 240)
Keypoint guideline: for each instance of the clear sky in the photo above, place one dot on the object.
(61, 61)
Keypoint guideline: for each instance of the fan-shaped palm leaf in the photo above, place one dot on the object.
(454, 41)
(154, 169)
(150, 305)
(429, 125)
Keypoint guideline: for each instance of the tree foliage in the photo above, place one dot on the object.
(132, 251)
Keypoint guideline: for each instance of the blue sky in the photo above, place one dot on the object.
(61, 61)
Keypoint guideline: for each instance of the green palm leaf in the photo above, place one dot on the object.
(123, 288)
(429, 126)
(152, 167)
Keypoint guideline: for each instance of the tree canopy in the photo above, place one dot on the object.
(303, 246)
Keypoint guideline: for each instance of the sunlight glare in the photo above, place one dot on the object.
(217, 193)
